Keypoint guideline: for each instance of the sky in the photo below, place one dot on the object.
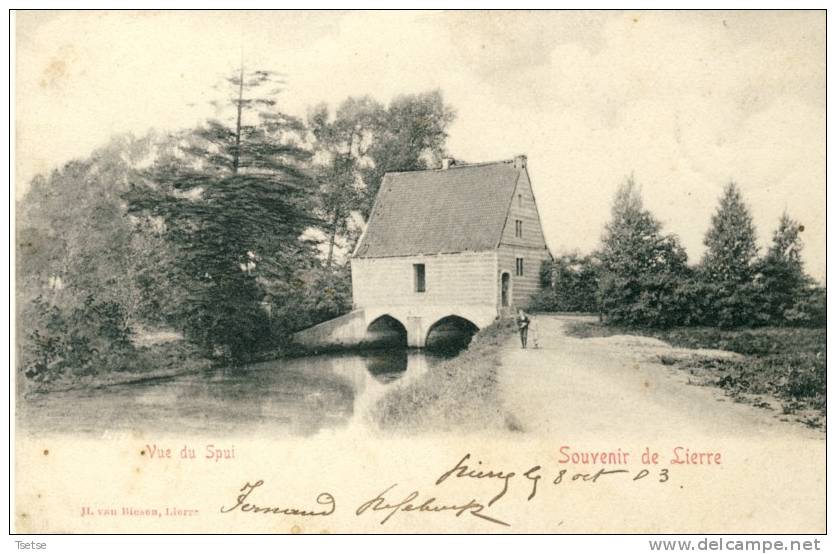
(683, 101)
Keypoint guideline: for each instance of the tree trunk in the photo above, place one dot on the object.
(335, 221)
(332, 239)
(236, 156)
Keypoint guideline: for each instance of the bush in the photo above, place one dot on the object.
(654, 300)
(735, 305)
(806, 380)
(641, 267)
(313, 296)
(570, 284)
(88, 338)
(692, 302)
(659, 304)
(810, 310)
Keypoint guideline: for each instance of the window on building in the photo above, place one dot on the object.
(518, 229)
(519, 200)
(520, 268)
(420, 277)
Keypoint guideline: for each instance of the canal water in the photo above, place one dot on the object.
(297, 396)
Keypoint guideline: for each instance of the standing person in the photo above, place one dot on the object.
(523, 322)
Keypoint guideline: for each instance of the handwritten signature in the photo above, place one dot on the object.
(325, 500)
(390, 501)
(410, 503)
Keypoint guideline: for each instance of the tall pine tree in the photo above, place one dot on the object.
(640, 266)
(781, 271)
(235, 200)
(730, 242)
(728, 265)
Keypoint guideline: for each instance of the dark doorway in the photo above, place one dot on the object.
(505, 288)
(386, 332)
(450, 335)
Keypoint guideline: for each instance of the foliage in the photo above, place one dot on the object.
(780, 273)
(314, 295)
(730, 241)
(644, 279)
(78, 255)
(81, 339)
(361, 142)
(570, 284)
(809, 309)
(342, 144)
(735, 305)
(73, 237)
(155, 271)
(728, 265)
(204, 230)
(641, 268)
(234, 202)
(413, 137)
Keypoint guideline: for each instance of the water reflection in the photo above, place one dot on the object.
(387, 365)
(292, 396)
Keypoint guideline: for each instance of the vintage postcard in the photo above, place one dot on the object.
(419, 272)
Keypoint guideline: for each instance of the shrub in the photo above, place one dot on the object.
(311, 297)
(809, 310)
(84, 339)
(741, 304)
(691, 301)
(780, 273)
(570, 284)
(641, 267)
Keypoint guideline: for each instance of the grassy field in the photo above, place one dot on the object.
(459, 393)
(782, 368)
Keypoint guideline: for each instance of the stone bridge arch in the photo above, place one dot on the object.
(419, 320)
(451, 331)
(386, 330)
(363, 324)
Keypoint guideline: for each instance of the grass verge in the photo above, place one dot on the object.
(459, 393)
(785, 365)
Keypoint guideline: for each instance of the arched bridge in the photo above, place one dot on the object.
(395, 324)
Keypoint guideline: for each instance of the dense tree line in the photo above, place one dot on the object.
(640, 275)
(227, 233)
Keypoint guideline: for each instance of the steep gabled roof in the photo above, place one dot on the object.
(460, 209)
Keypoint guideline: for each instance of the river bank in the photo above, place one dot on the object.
(457, 394)
(149, 363)
(390, 388)
(155, 359)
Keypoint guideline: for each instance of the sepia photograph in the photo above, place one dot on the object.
(442, 271)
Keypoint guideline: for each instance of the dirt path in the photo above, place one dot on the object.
(613, 392)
